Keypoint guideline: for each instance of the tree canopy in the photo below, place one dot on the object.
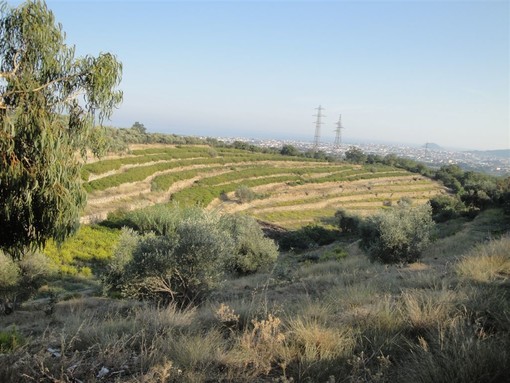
(355, 155)
(50, 101)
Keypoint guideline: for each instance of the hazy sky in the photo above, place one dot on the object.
(404, 71)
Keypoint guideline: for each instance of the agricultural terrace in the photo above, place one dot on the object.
(288, 191)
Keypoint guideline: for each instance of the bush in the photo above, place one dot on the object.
(336, 254)
(114, 277)
(19, 280)
(244, 194)
(320, 235)
(9, 272)
(252, 250)
(355, 155)
(307, 237)
(181, 266)
(181, 254)
(445, 207)
(398, 234)
(10, 340)
(348, 223)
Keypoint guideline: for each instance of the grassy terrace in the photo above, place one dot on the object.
(201, 175)
(141, 172)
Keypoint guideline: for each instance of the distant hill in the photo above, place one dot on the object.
(431, 145)
(501, 153)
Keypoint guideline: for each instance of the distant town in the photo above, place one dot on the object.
(492, 162)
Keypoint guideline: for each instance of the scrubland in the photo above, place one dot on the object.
(445, 318)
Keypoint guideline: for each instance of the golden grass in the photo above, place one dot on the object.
(344, 321)
(488, 262)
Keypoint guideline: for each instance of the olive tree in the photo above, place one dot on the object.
(252, 251)
(399, 234)
(181, 267)
(50, 101)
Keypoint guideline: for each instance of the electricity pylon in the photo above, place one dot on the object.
(338, 131)
(318, 124)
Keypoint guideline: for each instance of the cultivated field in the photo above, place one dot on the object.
(287, 191)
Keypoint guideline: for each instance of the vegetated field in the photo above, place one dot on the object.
(443, 319)
(289, 191)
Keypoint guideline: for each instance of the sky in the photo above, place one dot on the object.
(397, 71)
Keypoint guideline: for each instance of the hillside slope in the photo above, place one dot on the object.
(289, 191)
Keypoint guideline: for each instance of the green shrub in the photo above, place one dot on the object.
(336, 254)
(320, 235)
(92, 246)
(398, 234)
(252, 250)
(347, 222)
(9, 272)
(183, 253)
(10, 340)
(307, 237)
(22, 278)
(295, 240)
(114, 277)
(244, 194)
(445, 207)
(181, 266)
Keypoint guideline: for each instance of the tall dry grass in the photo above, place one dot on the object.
(345, 321)
(488, 262)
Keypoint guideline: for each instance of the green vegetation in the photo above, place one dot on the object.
(41, 190)
(91, 247)
(177, 293)
(399, 234)
(182, 254)
(10, 340)
(340, 318)
(244, 194)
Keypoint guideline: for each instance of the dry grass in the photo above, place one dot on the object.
(346, 321)
(488, 262)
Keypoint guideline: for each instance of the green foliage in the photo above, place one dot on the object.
(180, 267)
(145, 156)
(289, 150)
(114, 277)
(446, 207)
(244, 194)
(252, 250)
(92, 245)
(185, 253)
(40, 185)
(347, 222)
(10, 340)
(336, 254)
(22, 278)
(9, 272)
(307, 237)
(139, 128)
(355, 155)
(399, 234)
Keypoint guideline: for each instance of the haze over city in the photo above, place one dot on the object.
(409, 72)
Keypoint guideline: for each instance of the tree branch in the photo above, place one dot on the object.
(14, 70)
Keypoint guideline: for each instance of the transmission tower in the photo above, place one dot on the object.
(338, 131)
(318, 124)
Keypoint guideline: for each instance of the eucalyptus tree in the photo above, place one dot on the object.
(50, 101)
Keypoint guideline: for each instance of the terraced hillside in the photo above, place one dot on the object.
(288, 191)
